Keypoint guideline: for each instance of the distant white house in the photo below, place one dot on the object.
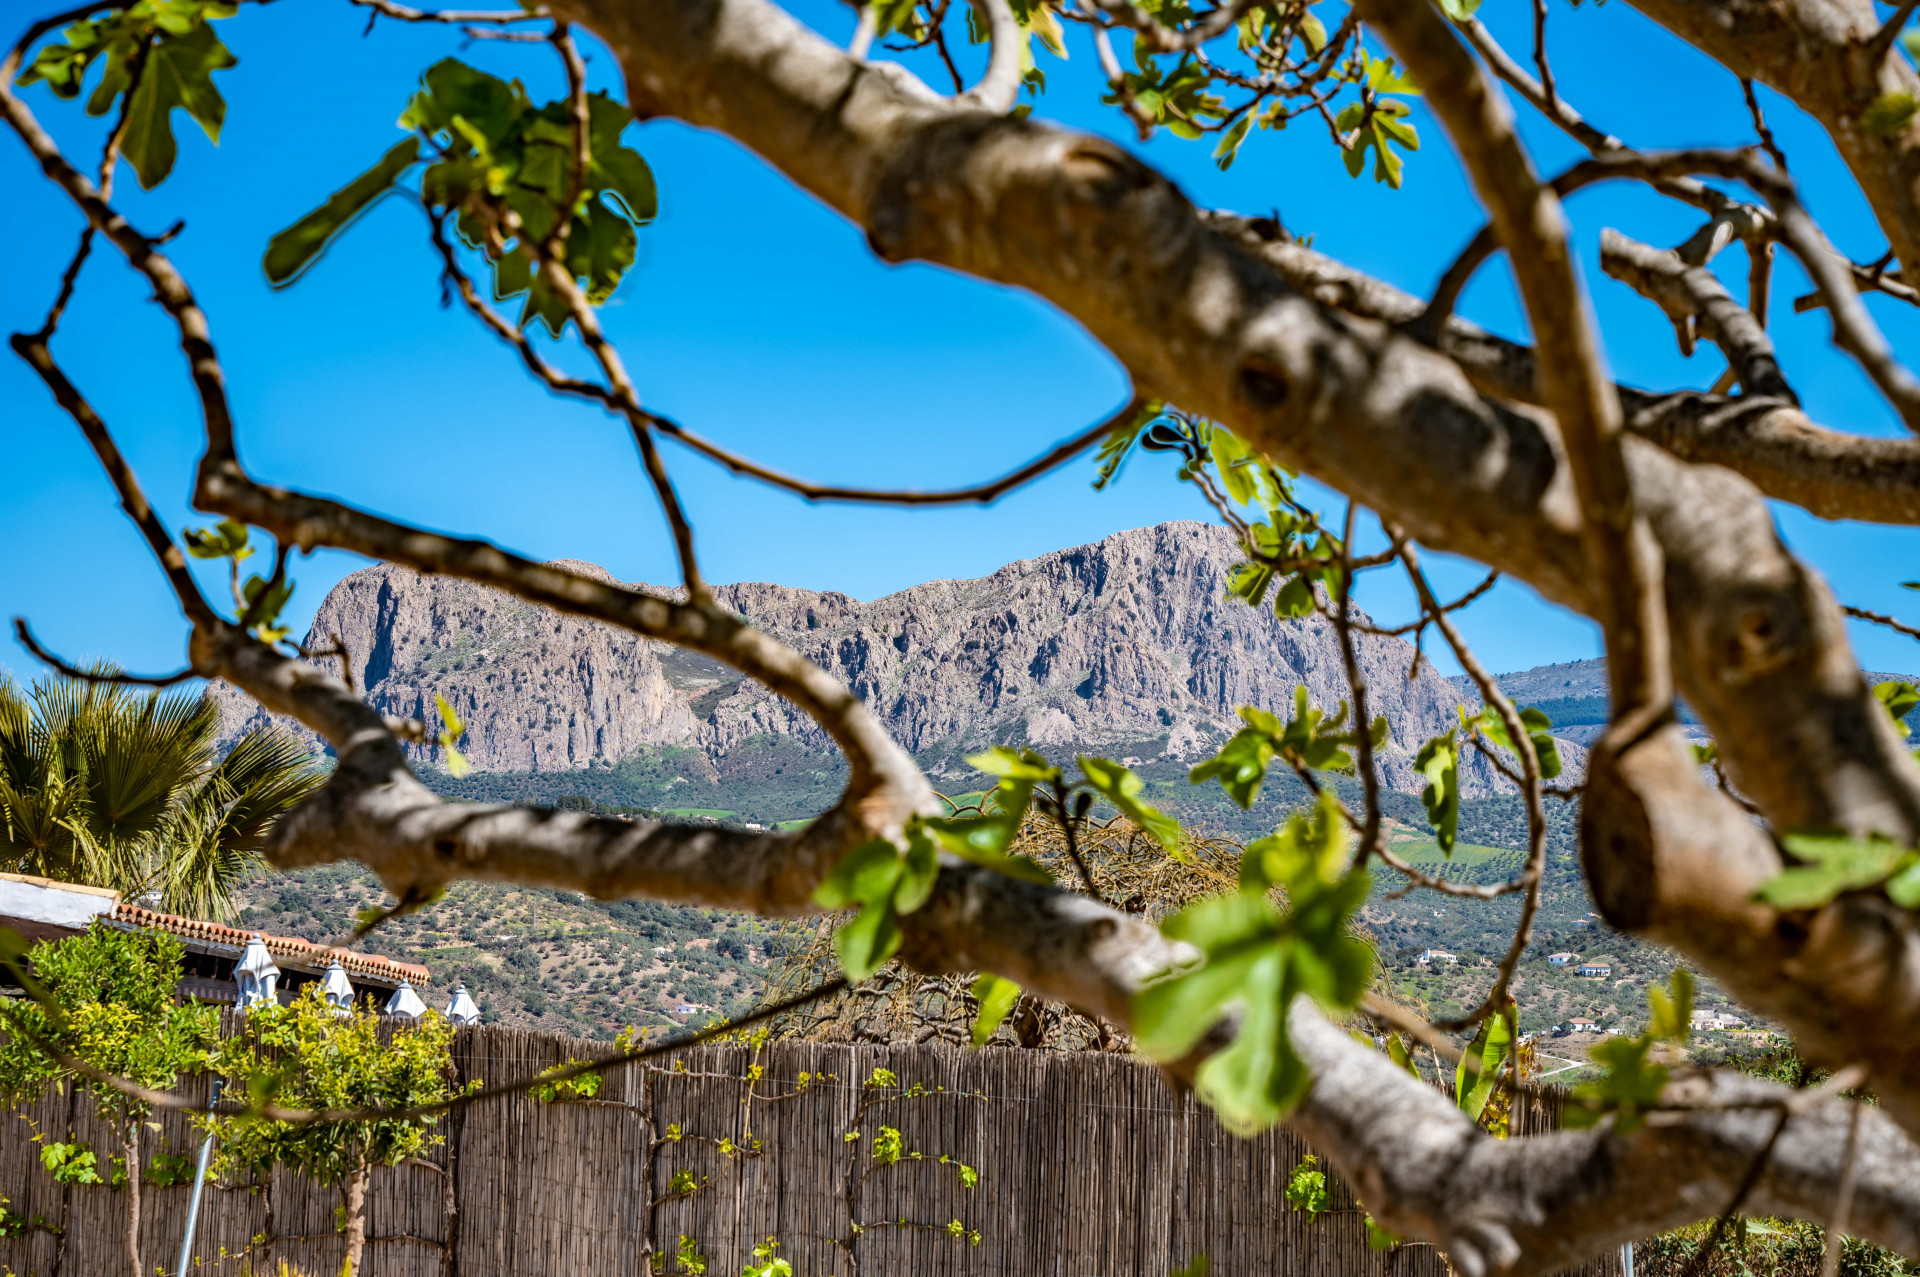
(1562, 959)
(686, 1008)
(1427, 957)
(1597, 967)
(1717, 1021)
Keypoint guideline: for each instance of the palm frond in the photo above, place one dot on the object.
(116, 788)
(214, 843)
(141, 754)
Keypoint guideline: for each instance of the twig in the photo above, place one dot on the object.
(1464, 600)
(251, 617)
(1543, 98)
(946, 59)
(109, 158)
(1760, 125)
(67, 281)
(620, 393)
(403, 13)
(1529, 877)
(510, 37)
(40, 28)
(1164, 39)
(1540, 55)
(1880, 619)
(863, 31)
(1431, 322)
(1067, 820)
(1843, 1200)
(508, 332)
(132, 499)
(1357, 685)
(27, 641)
(581, 111)
(982, 494)
(1698, 1263)
(338, 649)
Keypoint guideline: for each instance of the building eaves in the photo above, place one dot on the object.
(287, 951)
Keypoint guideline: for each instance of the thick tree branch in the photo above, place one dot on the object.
(1001, 84)
(1202, 319)
(1824, 58)
(1789, 457)
(1534, 1205)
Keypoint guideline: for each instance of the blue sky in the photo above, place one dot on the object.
(759, 318)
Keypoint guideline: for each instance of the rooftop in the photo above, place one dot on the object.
(286, 950)
(42, 908)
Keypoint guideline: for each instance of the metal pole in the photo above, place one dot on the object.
(199, 1183)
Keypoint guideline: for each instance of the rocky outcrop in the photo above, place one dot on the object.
(1128, 646)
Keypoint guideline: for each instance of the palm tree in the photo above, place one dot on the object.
(115, 788)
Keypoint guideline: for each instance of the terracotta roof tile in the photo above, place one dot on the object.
(288, 950)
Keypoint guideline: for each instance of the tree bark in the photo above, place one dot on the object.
(1819, 54)
(130, 1146)
(356, 1220)
(1194, 310)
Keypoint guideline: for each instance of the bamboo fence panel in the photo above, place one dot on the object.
(1089, 1164)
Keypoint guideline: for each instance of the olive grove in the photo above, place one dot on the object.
(1255, 358)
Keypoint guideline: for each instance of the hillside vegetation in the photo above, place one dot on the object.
(562, 961)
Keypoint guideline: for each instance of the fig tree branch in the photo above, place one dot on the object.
(67, 669)
(1690, 295)
(1191, 305)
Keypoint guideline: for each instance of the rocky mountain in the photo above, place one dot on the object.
(1128, 646)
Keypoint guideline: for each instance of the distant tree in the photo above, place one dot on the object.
(109, 787)
(104, 1001)
(303, 1056)
(1781, 858)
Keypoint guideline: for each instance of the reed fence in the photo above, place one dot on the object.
(1087, 1164)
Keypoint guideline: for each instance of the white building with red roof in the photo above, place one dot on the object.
(43, 909)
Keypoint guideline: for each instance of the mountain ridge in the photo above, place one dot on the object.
(1127, 645)
(1574, 696)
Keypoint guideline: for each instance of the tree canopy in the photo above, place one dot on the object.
(1778, 860)
(309, 1055)
(103, 1018)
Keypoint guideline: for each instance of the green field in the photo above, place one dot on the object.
(709, 813)
(1427, 853)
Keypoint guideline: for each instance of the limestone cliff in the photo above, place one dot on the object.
(1128, 646)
